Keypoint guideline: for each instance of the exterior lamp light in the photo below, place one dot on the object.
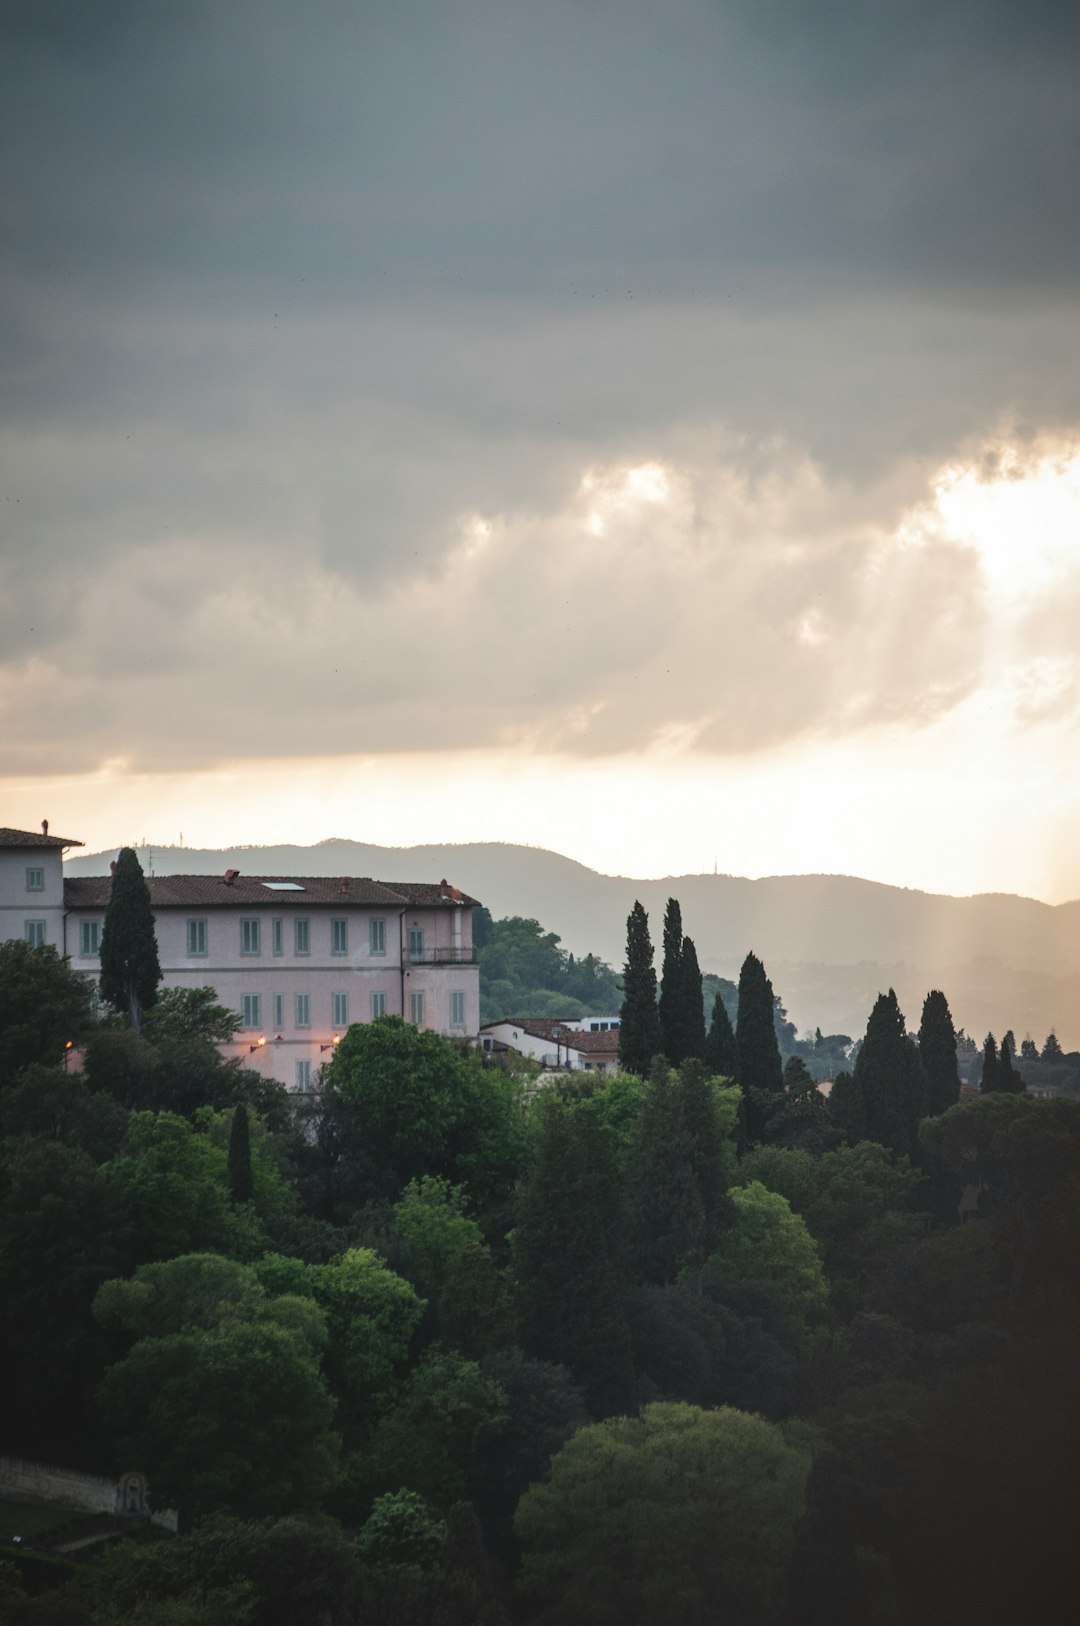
(259, 1042)
(334, 1042)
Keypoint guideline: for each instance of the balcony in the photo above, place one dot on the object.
(438, 956)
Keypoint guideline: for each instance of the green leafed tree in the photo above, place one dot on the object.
(444, 1254)
(890, 1074)
(44, 1007)
(769, 1242)
(639, 1030)
(130, 969)
(676, 1515)
(667, 1214)
(937, 1047)
(671, 1011)
(847, 1109)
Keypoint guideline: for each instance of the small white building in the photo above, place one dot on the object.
(561, 1046)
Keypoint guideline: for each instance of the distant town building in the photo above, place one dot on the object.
(298, 958)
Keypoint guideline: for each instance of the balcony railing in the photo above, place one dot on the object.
(438, 956)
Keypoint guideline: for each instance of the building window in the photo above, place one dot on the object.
(378, 1005)
(251, 1010)
(279, 1012)
(89, 938)
(340, 1003)
(249, 937)
(196, 937)
(416, 943)
(303, 1076)
(35, 880)
(457, 1010)
(301, 936)
(378, 936)
(339, 937)
(35, 933)
(416, 1010)
(277, 936)
(303, 1010)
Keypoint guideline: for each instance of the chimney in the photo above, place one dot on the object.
(112, 866)
(345, 886)
(231, 875)
(44, 827)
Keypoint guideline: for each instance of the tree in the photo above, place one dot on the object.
(693, 1005)
(667, 1214)
(671, 1005)
(710, 1114)
(639, 1028)
(760, 1073)
(846, 1107)
(567, 1250)
(130, 969)
(1008, 1079)
(403, 1103)
(769, 1242)
(445, 1255)
(1051, 1050)
(1029, 1050)
(44, 1007)
(891, 1077)
(239, 1165)
(937, 1047)
(678, 1514)
(990, 1073)
(721, 1055)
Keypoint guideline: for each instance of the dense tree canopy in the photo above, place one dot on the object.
(44, 1007)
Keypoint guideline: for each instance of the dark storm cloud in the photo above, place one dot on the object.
(289, 291)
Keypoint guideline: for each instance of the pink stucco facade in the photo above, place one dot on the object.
(298, 958)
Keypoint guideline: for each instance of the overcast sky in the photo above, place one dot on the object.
(646, 430)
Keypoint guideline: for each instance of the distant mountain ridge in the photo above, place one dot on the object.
(829, 942)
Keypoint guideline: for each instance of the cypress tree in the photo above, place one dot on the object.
(721, 1056)
(990, 1080)
(1051, 1050)
(569, 1254)
(693, 1004)
(891, 1076)
(846, 1108)
(760, 1072)
(667, 1214)
(639, 1026)
(937, 1047)
(1009, 1080)
(672, 1038)
(239, 1167)
(130, 970)
(708, 1150)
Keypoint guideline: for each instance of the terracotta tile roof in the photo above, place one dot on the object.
(546, 1027)
(34, 838)
(252, 891)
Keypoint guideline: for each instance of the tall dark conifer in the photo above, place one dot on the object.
(846, 1108)
(239, 1166)
(990, 1081)
(708, 1150)
(666, 1210)
(937, 1047)
(760, 1071)
(672, 1038)
(721, 1056)
(1009, 1080)
(130, 969)
(639, 1025)
(693, 1004)
(568, 1251)
(891, 1077)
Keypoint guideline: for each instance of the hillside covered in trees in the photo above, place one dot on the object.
(435, 1347)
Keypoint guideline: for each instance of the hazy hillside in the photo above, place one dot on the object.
(830, 942)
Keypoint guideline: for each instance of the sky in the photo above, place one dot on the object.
(646, 431)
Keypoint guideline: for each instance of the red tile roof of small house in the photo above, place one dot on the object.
(34, 838)
(259, 891)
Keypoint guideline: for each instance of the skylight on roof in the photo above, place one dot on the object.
(282, 886)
